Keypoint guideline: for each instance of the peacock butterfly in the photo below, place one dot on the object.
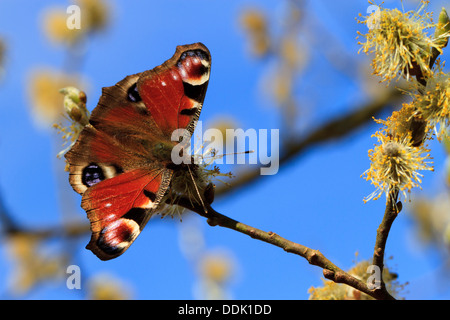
(121, 162)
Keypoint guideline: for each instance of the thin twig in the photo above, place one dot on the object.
(314, 257)
(393, 208)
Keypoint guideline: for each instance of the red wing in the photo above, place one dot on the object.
(174, 92)
(121, 114)
(148, 106)
(120, 187)
(97, 156)
(118, 208)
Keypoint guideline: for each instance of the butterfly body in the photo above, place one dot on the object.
(122, 162)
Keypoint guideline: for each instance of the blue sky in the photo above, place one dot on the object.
(315, 200)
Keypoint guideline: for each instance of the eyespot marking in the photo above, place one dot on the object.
(117, 236)
(92, 174)
(194, 67)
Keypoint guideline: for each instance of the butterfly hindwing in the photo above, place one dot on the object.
(120, 190)
(120, 207)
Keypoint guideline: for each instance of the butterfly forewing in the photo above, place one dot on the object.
(174, 92)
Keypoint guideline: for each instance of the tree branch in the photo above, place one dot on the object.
(392, 210)
(314, 257)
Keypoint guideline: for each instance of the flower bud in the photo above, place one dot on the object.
(75, 105)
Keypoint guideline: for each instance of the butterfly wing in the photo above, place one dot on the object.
(112, 164)
(120, 190)
(165, 98)
(174, 92)
(117, 218)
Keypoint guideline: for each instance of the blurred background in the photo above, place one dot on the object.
(291, 65)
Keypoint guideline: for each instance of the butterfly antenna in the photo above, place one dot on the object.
(216, 156)
(196, 189)
(233, 153)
